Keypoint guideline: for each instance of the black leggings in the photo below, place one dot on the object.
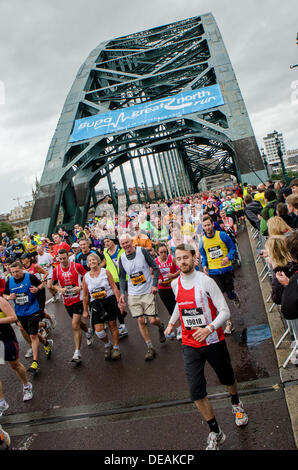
(168, 298)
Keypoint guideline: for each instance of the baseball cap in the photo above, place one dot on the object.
(75, 245)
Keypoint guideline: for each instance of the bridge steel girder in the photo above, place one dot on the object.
(131, 70)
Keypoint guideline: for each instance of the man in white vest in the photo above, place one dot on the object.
(136, 263)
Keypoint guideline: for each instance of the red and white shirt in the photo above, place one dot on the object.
(164, 269)
(199, 303)
(70, 277)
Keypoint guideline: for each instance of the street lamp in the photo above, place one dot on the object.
(265, 161)
(280, 154)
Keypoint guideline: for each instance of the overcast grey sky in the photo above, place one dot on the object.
(43, 43)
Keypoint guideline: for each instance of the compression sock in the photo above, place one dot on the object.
(235, 399)
(213, 425)
(149, 344)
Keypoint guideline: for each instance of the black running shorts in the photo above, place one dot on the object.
(104, 310)
(30, 323)
(11, 351)
(218, 356)
(76, 308)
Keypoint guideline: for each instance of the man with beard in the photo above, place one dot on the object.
(203, 311)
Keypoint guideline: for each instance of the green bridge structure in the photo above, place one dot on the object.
(138, 74)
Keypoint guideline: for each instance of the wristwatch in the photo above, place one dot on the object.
(211, 328)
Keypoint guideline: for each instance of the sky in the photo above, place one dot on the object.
(43, 44)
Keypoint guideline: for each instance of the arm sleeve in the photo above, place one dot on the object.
(230, 245)
(151, 262)
(203, 253)
(218, 300)
(175, 315)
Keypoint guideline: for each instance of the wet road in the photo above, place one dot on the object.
(132, 404)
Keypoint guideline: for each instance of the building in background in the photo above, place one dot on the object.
(271, 151)
(19, 218)
(292, 160)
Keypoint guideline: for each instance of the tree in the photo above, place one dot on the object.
(8, 229)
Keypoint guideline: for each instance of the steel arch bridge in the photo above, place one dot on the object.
(137, 69)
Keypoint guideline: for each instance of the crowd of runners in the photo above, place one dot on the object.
(183, 250)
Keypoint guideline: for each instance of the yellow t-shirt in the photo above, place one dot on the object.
(187, 229)
(260, 197)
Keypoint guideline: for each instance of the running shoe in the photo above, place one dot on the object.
(214, 440)
(4, 439)
(53, 321)
(179, 333)
(150, 354)
(122, 331)
(76, 357)
(241, 418)
(115, 354)
(34, 368)
(229, 328)
(171, 335)
(29, 353)
(161, 330)
(48, 348)
(27, 392)
(237, 301)
(3, 407)
(108, 352)
(42, 331)
(89, 338)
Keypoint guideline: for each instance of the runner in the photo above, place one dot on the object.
(168, 271)
(203, 311)
(100, 288)
(31, 267)
(238, 207)
(11, 352)
(112, 253)
(82, 256)
(136, 263)
(217, 252)
(67, 279)
(22, 289)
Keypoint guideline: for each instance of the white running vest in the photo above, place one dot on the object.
(99, 287)
(139, 274)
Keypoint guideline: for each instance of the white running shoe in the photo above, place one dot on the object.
(53, 321)
(27, 392)
(3, 407)
(241, 418)
(29, 353)
(214, 440)
(89, 338)
(76, 357)
(122, 331)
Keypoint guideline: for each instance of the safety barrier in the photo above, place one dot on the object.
(291, 327)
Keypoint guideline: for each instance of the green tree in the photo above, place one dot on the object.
(7, 228)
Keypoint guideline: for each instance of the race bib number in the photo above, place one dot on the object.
(99, 293)
(215, 252)
(70, 292)
(193, 318)
(137, 278)
(22, 299)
